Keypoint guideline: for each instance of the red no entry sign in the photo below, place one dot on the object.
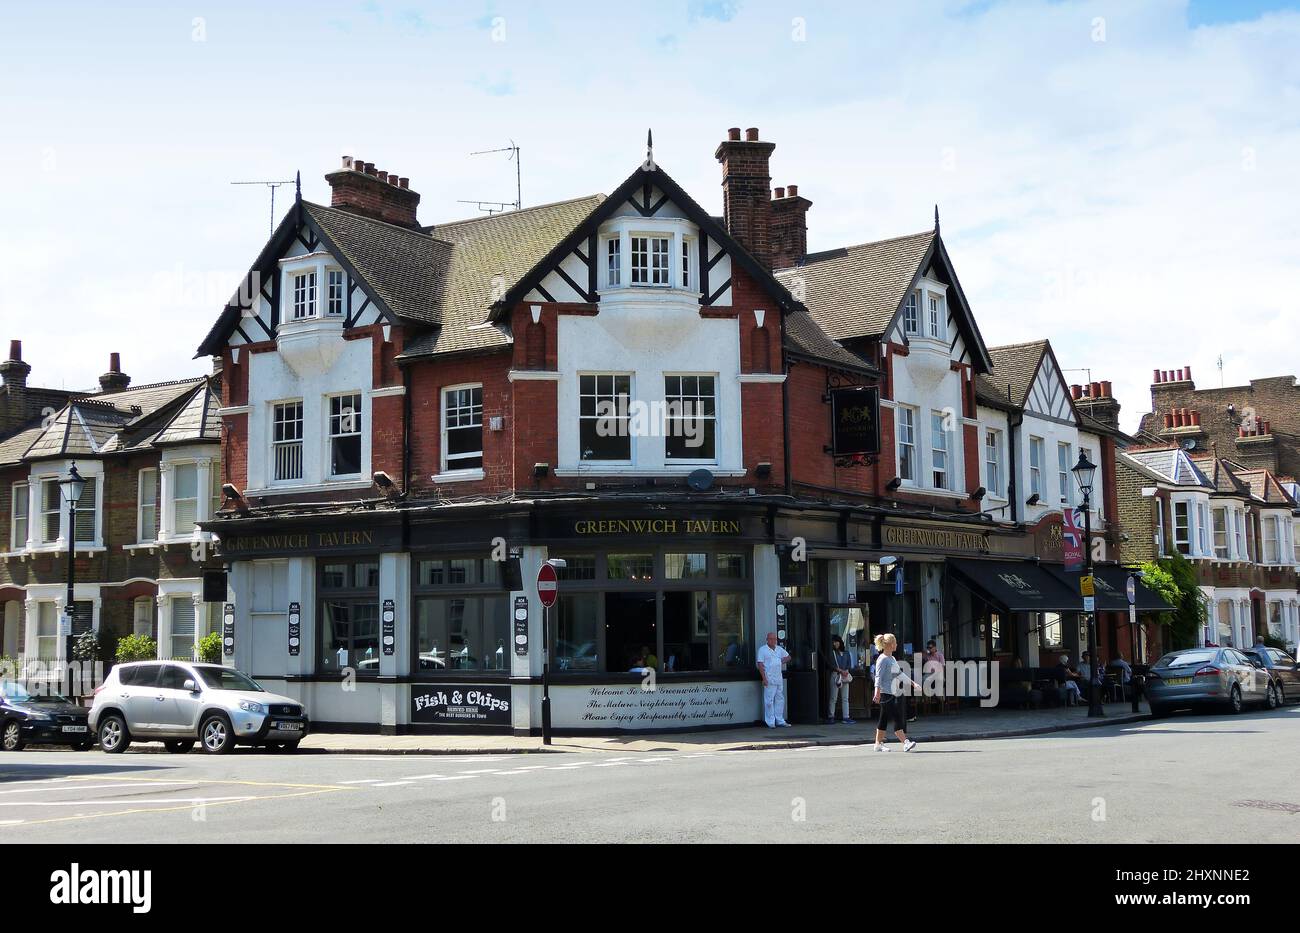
(547, 585)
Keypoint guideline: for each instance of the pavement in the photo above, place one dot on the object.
(951, 727)
(1186, 779)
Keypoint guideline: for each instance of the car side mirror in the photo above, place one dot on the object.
(190, 685)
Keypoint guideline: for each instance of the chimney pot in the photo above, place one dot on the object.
(403, 182)
(1196, 419)
(347, 161)
(16, 350)
(780, 193)
(1169, 420)
(794, 191)
(115, 362)
(1187, 373)
(733, 134)
(114, 380)
(1094, 390)
(383, 176)
(1106, 390)
(751, 134)
(380, 195)
(1076, 391)
(1155, 375)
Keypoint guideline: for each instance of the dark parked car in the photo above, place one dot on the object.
(1196, 677)
(28, 719)
(1282, 666)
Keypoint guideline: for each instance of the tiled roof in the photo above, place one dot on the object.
(14, 448)
(1168, 464)
(197, 420)
(1221, 475)
(487, 256)
(1266, 487)
(803, 337)
(1012, 376)
(406, 268)
(855, 291)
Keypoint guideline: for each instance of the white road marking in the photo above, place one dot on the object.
(611, 764)
(362, 781)
(483, 771)
(391, 784)
(124, 802)
(458, 777)
(71, 785)
(423, 777)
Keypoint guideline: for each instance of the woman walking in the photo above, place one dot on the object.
(889, 694)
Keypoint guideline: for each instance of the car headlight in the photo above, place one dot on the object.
(249, 706)
(38, 716)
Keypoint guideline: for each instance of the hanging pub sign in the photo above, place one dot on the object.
(228, 629)
(295, 629)
(461, 704)
(214, 586)
(793, 572)
(388, 632)
(521, 626)
(855, 421)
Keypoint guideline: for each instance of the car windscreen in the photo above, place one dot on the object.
(223, 678)
(1185, 658)
(14, 692)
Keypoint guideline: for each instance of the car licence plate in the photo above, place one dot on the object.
(287, 726)
(75, 729)
(1177, 681)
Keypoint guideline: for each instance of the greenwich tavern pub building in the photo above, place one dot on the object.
(411, 427)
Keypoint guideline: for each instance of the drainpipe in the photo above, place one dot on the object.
(406, 431)
(1013, 447)
(785, 414)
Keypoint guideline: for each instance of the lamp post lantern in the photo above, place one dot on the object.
(72, 487)
(1084, 471)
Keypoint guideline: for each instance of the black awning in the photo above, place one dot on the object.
(1110, 583)
(1016, 586)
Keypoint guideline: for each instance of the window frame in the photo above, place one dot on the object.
(486, 591)
(993, 462)
(342, 285)
(912, 314)
(653, 269)
(708, 418)
(446, 464)
(303, 299)
(1037, 453)
(614, 261)
(1065, 478)
(46, 512)
(596, 416)
(176, 500)
(331, 435)
(352, 595)
(906, 443)
(17, 542)
(140, 507)
(1219, 523)
(940, 477)
(1183, 544)
(936, 314)
(299, 442)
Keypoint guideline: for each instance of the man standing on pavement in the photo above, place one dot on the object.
(772, 659)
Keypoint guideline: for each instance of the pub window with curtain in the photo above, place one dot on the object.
(462, 616)
(349, 617)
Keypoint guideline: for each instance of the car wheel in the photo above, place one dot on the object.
(1270, 698)
(1281, 695)
(1159, 711)
(1234, 700)
(179, 746)
(113, 735)
(13, 736)
(216, 735)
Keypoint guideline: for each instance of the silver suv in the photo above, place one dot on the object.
(177, 702)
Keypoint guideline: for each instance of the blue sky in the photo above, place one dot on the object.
(1117, 176)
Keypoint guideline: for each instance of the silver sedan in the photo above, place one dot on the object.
(1197, 677)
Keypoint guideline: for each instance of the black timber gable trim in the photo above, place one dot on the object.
(642, 181)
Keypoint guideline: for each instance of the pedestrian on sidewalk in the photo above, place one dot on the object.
(839, 661)
(772, 659)
(889, 694)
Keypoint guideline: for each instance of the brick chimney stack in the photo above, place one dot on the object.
(114, 380)
(1096, 399)
(789, 233)
(747, 192)
(13, 389)
(359, 188)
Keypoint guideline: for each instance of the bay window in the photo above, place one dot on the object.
(146, 524)
(1221, 533)
(87, 515)
(51, 510)
(1182, 527)
(183, 630)
(911, 318)
(304, 295)
(938, 317)
(614, 261)
(334, 296)
(462, 428)
(650, 260)
(1272, 536)
(1203, 528)
(185, 497)
(687, 246)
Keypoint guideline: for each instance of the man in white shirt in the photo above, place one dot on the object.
(772, 659)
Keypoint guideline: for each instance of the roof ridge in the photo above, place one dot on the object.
(844, 249)
(523, 210)
(147, 385)
(418, 231)
(1042, 341)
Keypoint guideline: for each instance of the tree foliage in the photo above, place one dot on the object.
(1174, 579)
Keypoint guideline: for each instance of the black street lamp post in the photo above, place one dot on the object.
(72, 488)
(1084, 471)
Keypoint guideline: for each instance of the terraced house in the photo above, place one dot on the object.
(151, 459)
(720, 435)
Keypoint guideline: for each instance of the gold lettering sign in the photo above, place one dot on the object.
(300, 541)
(657, 526)
(938, 539)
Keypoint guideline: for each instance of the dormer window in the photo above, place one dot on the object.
(334, 293)
(650, 260)
(910, 320)
(304, 295)
(686, 262)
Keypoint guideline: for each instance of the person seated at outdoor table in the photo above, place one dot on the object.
(1125, 670)
(1067, 678)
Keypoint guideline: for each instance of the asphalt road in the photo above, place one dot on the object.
(1215, 778)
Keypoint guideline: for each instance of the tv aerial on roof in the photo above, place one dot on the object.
(272, 185)
(493, 207)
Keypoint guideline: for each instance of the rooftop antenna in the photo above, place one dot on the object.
(272, 185)
(494, 206)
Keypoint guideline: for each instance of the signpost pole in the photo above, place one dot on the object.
(1133, 631)
(546, 678)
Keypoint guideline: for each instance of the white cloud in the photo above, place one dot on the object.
(1131, 199)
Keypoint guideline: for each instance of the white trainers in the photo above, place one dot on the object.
(882, 748)
(909, 745)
